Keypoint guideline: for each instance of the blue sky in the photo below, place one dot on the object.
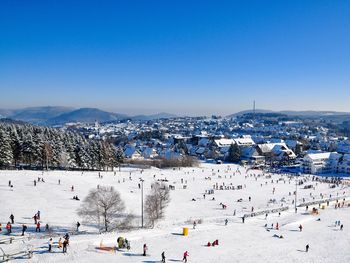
(193, 57)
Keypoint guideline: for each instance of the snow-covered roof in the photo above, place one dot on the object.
(318, 156)
(244, 141)
(224, 142)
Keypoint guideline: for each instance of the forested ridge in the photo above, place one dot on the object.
(25, 145)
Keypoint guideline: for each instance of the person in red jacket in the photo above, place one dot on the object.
(9, 228)
(185, 257)
(38, 227)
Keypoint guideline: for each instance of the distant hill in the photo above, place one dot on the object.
(326, 114)
(162, 115)
(60, 115)
(38, 115)
(240, 113)
(4, 113)
(314, 113)
(86, 115)
(10, 121)
(49, 115)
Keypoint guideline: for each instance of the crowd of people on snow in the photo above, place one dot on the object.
(37, 224)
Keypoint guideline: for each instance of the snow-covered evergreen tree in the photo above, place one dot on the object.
(5, 149)
(48, 147)
(28, 149)
(16, 145)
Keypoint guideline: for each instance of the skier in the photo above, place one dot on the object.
(243, 218)
(307, 248)
(163, 257)
(66, 237)
(127, 242)
(341, 227)
(78, 225)
(50, 244)
(9, 183)
(185, 257)
(194, 224)
(35, 217)
(59, 243)
(12, 219)
(24, 229)
(9, 228)
(226, 221)
(300, 228)
(65, 243)
(38, 214)
(37, 229)
(144, 249)
(59, 181)
(34, 183)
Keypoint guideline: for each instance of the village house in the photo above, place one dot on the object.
(320, 163)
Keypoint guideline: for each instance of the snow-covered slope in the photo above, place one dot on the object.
(238, 242)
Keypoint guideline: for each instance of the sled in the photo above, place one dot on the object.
(108, 249)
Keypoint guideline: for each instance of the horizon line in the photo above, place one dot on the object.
(72, 108)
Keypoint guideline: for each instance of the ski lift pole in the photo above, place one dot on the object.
(141, 180)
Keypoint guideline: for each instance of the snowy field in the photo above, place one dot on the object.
(251, 241)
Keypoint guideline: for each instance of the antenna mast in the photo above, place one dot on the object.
(254, 111)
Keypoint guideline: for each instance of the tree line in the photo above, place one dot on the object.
(25, 145)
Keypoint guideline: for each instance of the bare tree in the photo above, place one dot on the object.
(103, 204)
(47, 155)
(156, 202)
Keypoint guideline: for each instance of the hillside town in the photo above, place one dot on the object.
(272, 141)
